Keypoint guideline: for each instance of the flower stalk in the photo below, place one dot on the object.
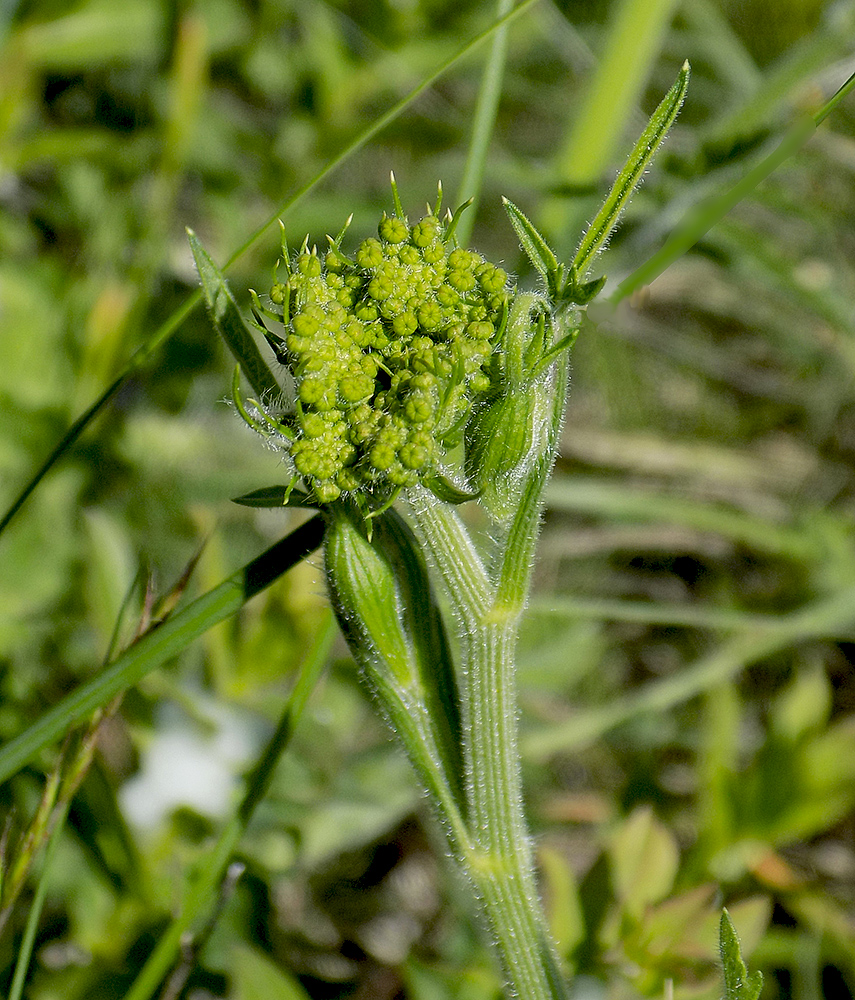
(417, 377)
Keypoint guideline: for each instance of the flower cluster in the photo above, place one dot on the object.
(389, 349)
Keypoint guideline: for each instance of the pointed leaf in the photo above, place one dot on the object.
(230, 323)
(536, 248)
(638, 161)
(738, 983)
(582, 294)
(446, 489)
(275, 496)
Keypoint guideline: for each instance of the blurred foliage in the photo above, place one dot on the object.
(687, 679)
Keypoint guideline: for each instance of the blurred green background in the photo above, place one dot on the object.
(687, 687)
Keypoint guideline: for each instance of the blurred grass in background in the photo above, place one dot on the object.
(687, 677)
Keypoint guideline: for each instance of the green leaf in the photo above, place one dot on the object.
(632, 172)
(230, 324)
(536, 248)
(255, 976)
(580, 293)
(275, 496)
(446, 489)
(738, 983)
(644, 861)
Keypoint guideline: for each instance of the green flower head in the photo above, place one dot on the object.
(388, 349)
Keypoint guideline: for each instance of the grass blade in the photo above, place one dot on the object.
(703, 217)
(163, 642)
(25, 948)
(819, 619)
(483, 122)
(636, 35)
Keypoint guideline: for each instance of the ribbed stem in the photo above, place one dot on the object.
(487, 598)
(500, 862)
(502, 868)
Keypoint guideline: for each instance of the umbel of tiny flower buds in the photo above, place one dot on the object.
(389, 350)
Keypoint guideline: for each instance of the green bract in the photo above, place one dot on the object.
(388, 349)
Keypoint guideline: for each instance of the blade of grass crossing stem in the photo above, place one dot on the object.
(701, 218)
(161, 643)
(25, 948)
(659, 613)
(146, 351)
(483, 122)
(649, 141)
(205, 882)
(591, 495)
(230, 325)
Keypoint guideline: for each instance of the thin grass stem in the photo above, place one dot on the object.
(25, 949)
(817, 620)
(483, 123)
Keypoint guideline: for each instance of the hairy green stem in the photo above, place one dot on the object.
(500, 862)
(488, 604)
(502, 869)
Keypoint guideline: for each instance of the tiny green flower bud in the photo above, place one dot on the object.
(309, 265)
(305, 324)
(366, 311)
(430, 316)
(410, 256)
(404, 324)
(419, 408)
(313, 425)
(326, 491)
(388, 351)
(433, 252)
(369, 253)
(461, 280)
(415, 454)
(393, 229)
(380, 287)
(426, 231)
(355, 388)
